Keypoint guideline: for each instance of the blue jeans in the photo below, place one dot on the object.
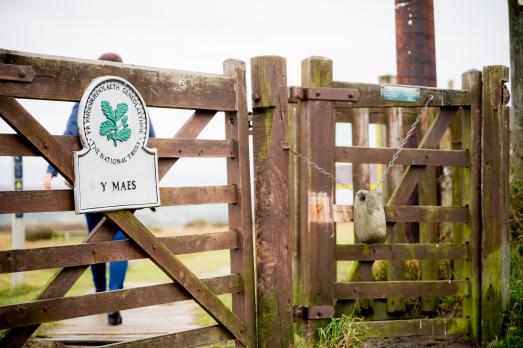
(117, 269)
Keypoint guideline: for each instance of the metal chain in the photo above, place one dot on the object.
(315, 166)
(389, 165)
(404, 141)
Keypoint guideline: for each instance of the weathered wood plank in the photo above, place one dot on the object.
(20, 260)
(48, 310)
(370, 96)
(425, 157)
(63, 200)
(400, 289)
(60, 78)
(240, 214)
(177, 271)
(471, 195)
(192, 338)
(194, 125)
(418, 327)
(273, 235)
(316, 192)
(15, 145)
(413, 174)
(24, 123)
(360, 138)
(494, 190)
(428, 231)
(409, 213)
(401, 251)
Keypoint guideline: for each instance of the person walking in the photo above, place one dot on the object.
(117, 269)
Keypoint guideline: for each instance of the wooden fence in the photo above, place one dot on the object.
(292, 140)
(55, 78)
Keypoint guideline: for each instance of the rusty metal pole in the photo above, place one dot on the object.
(415, 63)
(415, 44)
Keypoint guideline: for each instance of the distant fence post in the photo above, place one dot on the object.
(17, 221)
(467, 191)
(494, 190)
(272, 213)
(316, 191)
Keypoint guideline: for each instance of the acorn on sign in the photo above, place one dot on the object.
(369, 216)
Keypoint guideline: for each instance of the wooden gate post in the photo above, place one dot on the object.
(467, 192)
(272, 213)
(316, 192)
(494, 190)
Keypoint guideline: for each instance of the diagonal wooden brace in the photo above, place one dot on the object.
(412, 174)
(25, 124)
(160, 254)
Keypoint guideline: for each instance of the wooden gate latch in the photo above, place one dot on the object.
(313, 313)
(14, 72)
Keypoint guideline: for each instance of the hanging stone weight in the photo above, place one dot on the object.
(369, 216)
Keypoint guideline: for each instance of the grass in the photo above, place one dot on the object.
(346, 331)
(512, 335)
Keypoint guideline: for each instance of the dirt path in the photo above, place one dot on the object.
(420, 342)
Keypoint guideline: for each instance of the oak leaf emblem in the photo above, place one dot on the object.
(115, 128)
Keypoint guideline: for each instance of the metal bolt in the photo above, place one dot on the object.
(255, 97)
(318, 94)
(21, 73)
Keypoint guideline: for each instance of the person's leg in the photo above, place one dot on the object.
(117, 272)
(98, 270)
(117, 269)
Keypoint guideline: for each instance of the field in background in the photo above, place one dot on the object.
(204, 264)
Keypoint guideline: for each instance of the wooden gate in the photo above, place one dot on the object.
(54, 78)
(306, 149)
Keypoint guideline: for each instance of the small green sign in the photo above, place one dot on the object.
(396, 93)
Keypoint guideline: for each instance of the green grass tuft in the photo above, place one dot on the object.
(346, 331)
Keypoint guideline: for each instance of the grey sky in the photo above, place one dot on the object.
(199, 35)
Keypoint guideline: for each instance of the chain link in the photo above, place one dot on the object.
(389, 165)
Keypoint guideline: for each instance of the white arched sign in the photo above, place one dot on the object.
(114, 170)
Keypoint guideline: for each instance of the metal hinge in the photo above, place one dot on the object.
(313, 313)
(323, 93)
(14, 72)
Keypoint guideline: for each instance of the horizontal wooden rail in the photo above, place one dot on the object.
(44, 311)
(63, 200)
(409, 213)
(418, 327)
(15, 145)
(370, 96)
(192, 338)
(20, 260)
(424, 157)
(369, 252)
(59, 78)
(401, 289)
